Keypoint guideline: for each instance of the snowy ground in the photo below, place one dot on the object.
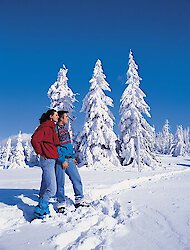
(130, 210)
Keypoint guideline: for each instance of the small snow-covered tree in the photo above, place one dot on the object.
(136, 135)
(5, 154)
(159, 143)
(18, 158)
(164, 140)
(186, 134)
(179, 146)
(61, 96)
(167, 137)
(97, 141)
(27, 151)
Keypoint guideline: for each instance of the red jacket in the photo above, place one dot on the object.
(45, 140)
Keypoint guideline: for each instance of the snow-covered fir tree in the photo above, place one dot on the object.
(97, 141)
(164, 140)
(27, 151)
(153, 141)
(179, 143)
(159, 143)
(186, 134)
(5, 155)
(167, 138)
(61, 95)
(18, 157)
(136, 135)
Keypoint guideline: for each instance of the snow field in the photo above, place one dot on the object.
(163, 220)
(130, 210)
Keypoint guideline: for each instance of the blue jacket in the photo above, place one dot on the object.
(65, 152)
(66, 149)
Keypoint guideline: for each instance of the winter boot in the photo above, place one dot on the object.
(82, 204)
(61, 207)
(41, 209)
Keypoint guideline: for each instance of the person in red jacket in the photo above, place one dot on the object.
(45, 141)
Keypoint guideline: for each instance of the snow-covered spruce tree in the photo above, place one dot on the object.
(5, 154)
(164, 140)
(18, 158)
(179, 144)
(167, 137)
(27, 152)
(97, 141)
(61, 96)
(153, 139)
(136, 135)
(159, 143)
(186, 134)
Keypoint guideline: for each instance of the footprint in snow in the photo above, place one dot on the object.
(95, 225)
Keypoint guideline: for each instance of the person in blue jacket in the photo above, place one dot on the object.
(66, 163)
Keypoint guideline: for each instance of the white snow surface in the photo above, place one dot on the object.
(129, 210)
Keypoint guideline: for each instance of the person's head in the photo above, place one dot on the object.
(63, 117)
(51, 115)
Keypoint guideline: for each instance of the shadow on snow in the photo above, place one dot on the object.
(14, 197)
(184, 165)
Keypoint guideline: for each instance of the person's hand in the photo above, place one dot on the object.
(75, 161)
(40, 156)
(65, 165)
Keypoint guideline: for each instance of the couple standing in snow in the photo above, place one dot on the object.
(51, 141)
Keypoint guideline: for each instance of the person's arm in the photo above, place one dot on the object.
(62, 153)
(36, 141)
(73, 154)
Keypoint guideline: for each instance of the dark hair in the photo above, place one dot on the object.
(46, 116)
(61, 113)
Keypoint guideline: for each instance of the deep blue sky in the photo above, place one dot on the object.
(37, 37)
